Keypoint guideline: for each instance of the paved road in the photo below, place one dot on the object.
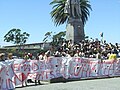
(96, 84)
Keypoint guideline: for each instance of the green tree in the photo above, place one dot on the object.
(48, 36)
(58, 38)
(15, 36)
(55, 39)
(59, 17)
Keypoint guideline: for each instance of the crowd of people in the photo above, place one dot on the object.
(90, 48)
(3, 57)
(85, 49)
(10, 57)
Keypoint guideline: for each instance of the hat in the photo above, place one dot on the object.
(57, 53)
(2, 54)
(28, 53)
(67, 49)
(10, 54)
(48, 52)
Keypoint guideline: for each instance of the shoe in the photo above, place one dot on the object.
(30, 81)
(35, 82)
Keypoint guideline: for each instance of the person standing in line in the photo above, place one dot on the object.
(112, 56)
(10, 56)
(41, 56)
(76, 53)
(2, 57)
(7, 66)
(26, 57)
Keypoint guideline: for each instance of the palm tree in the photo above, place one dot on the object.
(59, 17)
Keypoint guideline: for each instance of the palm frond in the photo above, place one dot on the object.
(59, 17)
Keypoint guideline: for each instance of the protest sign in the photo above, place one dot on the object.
(15, 72)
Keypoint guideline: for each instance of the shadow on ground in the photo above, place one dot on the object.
(63, 80)
(29, 85)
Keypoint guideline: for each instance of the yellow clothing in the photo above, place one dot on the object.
(112, 57)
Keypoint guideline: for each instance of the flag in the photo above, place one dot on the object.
(101, 34)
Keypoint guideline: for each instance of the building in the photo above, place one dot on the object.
(33, 47)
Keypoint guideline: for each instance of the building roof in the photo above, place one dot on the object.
(26, 44)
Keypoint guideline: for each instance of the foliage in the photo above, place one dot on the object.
(85, 10)
(58, 15)
(47, 37)
(56, 39)
(15, 36)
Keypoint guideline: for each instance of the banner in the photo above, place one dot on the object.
(6, 76)
(15, 72)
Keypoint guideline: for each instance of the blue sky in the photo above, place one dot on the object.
(33, 16)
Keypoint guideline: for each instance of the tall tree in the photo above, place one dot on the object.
(58, 15)
(75, 15)
(15, 36)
